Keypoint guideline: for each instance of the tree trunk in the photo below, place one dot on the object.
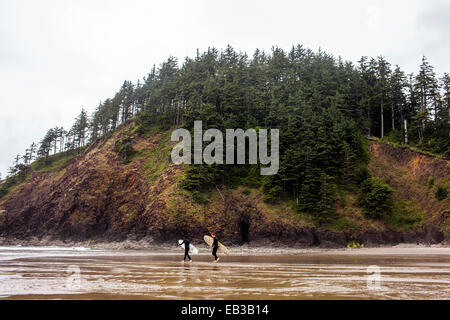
(423, 107)
(382, 118)
(406, 131)
(393, 117)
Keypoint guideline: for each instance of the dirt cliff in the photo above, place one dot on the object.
(409, 173)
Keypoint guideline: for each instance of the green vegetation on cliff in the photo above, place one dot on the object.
(323, 106)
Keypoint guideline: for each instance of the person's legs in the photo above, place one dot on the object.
(214, 253)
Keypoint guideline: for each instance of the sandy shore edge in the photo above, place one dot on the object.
(252, 249)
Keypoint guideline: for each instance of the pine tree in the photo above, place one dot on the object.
(79, 129)
(116, 103)
(32, 149)
(367, 80)
(17, 159)
(446, 98)
(398, 99)
(26, 157)
(94, 125)
(127, 95)
(426, 88)
(383, 75)
(46, 145)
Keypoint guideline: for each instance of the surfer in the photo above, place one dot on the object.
(186, 250)
(215, 247)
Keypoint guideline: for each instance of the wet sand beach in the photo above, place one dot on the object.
(260, 273)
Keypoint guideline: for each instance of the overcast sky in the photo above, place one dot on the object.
(59, 56)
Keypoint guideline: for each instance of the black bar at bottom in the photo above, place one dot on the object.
(212, 309)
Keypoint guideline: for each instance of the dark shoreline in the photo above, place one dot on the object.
(257, 246)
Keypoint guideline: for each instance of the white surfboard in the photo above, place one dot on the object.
(192, 248)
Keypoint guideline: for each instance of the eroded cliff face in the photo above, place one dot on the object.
(96, 197)
(93, 195)
(408, 172)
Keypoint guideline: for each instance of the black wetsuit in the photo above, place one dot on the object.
(215, 247)
(186, 249)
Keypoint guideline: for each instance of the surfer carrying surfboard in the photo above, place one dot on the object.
(186, 249)
(215, 247)
(215, 244)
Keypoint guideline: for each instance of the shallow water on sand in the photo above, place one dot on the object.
(81, 273)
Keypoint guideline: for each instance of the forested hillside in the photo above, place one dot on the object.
(325, 109)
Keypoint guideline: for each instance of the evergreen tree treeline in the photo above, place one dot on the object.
(322, 105)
